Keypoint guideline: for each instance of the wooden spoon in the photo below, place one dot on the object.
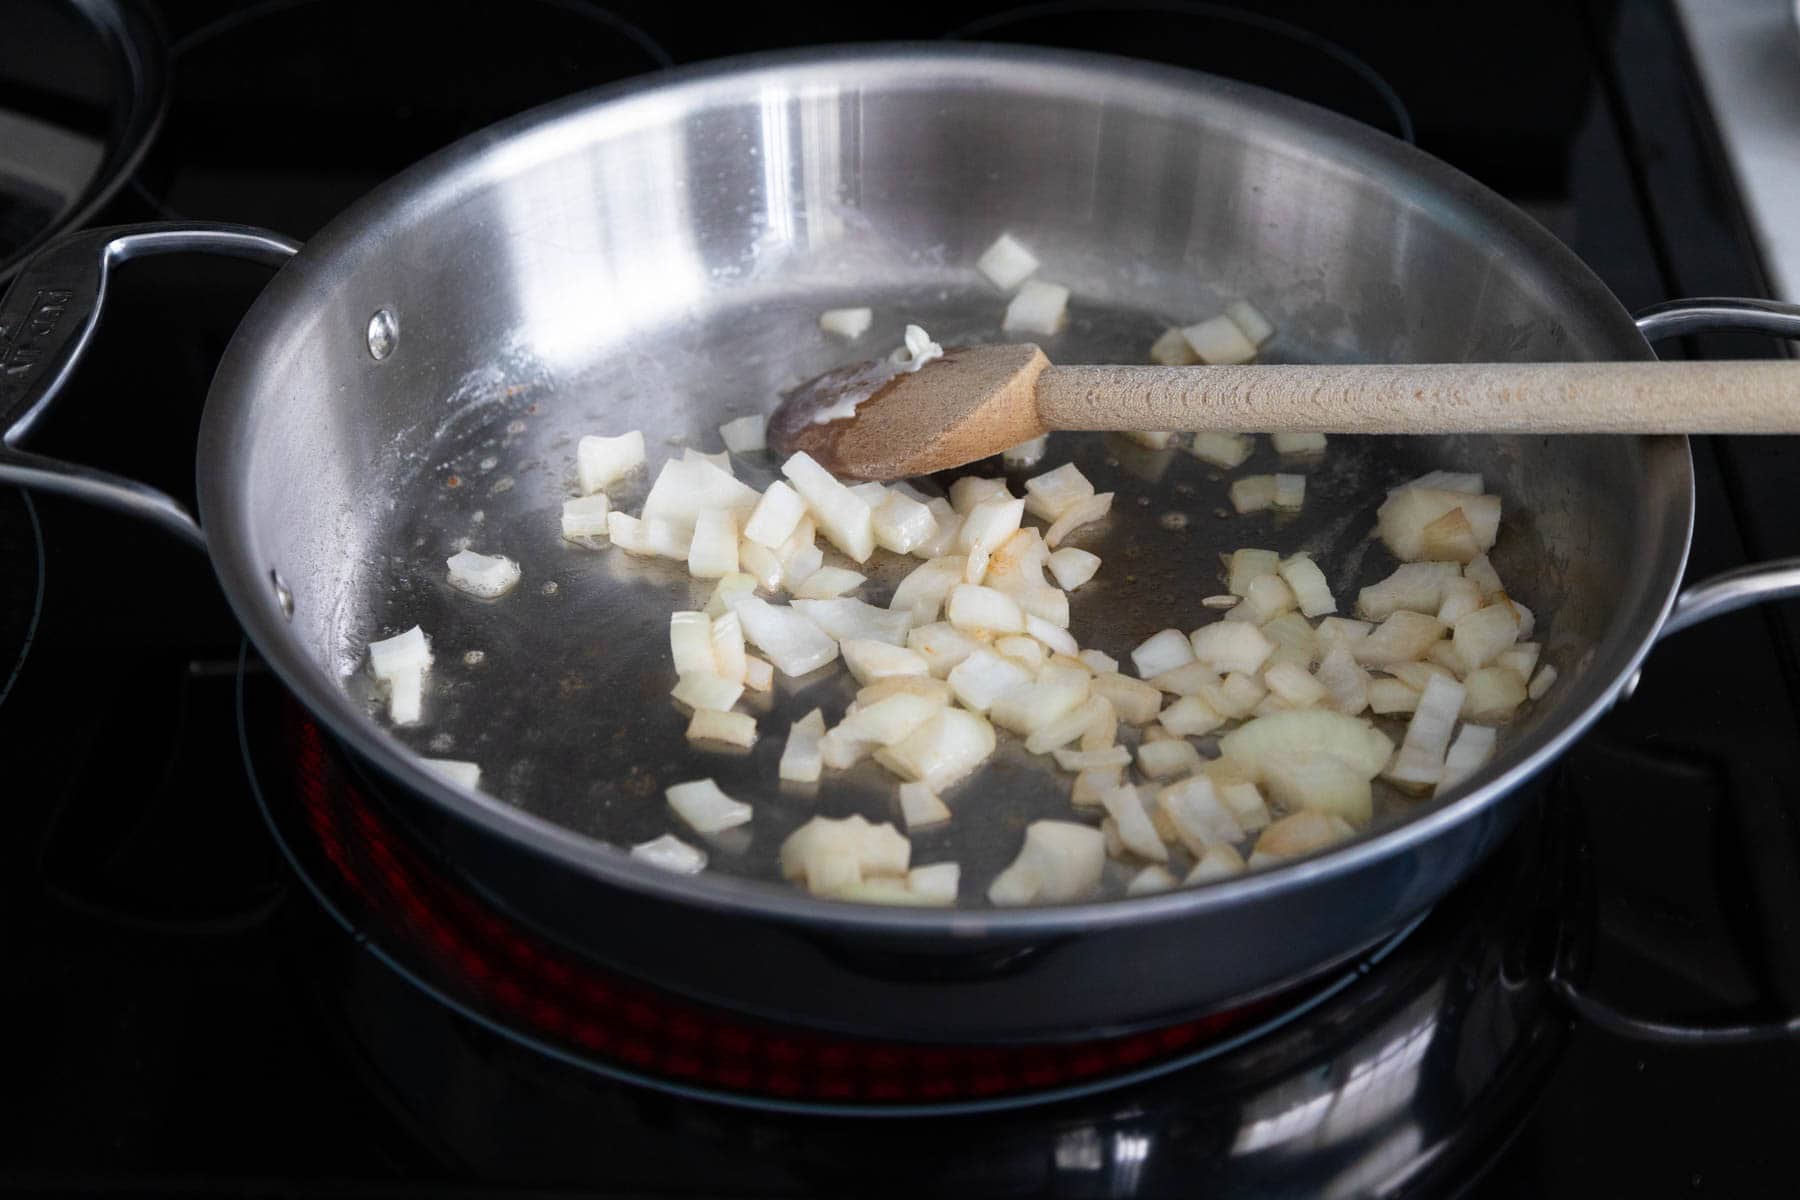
(979, 400)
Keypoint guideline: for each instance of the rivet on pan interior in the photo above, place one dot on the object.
(283, 596)
(384, 334)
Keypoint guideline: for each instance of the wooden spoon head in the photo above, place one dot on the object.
(973, 402)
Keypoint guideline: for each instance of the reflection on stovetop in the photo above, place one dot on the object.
(188, 1014)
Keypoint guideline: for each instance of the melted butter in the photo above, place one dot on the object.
(917, 350)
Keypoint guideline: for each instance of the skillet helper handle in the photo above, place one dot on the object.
(1429, 398)
(47, 320)
(1758, 583)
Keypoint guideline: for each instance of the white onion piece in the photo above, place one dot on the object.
(627, 533)
(1542, 682)
(1149, 881)
(1091, 784)
(1088, 760)
(1245, 803)
(1038, 307)
(1421, 758)
(1304, 832)
(980, 609)
(920, 806)
(1082, 512)
(585, 517)
(1290, 492)
(1403, 519)
(975, 564)
(1170, 759)
(847, 323)
(728, 649)
(1415, 587)
(1219, 342)
(686, 488)
(703, 689)
(1267, 597)
(1059, 861)
(1492, 694)
(989, 524)
(1521, 657)
(404, 652)
(1461, 597)
(1172, 350)
(1388, 697)
(1298, 443)
(947, 525)
(1055, 638)
(1313, 779)
(800, 758)
(942, 751)
(833, 857)
(712, 725)
(901, 523)
(942, 646)
(776, 515)
(1026, 454)
(1403, 637)
(970, 490)
(1190, 716)
(1031, 706)
(1307, 582)
(1072, 566)
(671, 854)
(1135, 701)
(1050, 495)
(1099, 662)
(801, 566)
(1226, 450)
(1305, 730)
(1006, 263)
(1199, 817)
(602, 460)
(887, 721)
(870, 660)
(1415, 674)
(1294, 685)
(1053, 735)
(1248, 318)
(761, 564)
(847, 617)
(1346, 683)
(915, 350)
(1246, 566)
(1481, 635)
(1486, 578)
(746, 434)
(690, 643)
(713, 554)
(1125, 805)
(484, 576)
(828, 583)
(721, 460)
(841, 515)
(1231, 646)
(787, 639)
(1473, 746)
(1219, 862)
(935, 883)
(1027, 652)
(1252, 493)
(1161, 652)
(759, 676)
(456, 770)
(705, 808)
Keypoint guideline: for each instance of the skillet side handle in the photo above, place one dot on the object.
(47, 320)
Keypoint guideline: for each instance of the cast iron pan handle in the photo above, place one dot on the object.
(47, 319)
(1758, 583)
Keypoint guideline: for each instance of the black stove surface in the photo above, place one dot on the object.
(188, 1019)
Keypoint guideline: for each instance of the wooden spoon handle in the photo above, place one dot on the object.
(1616, 397)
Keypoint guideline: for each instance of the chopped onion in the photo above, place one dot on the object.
(947, 525)
(705, 808)
(842, 515)
(1421, 759)
(1294, 685)
(971, 490)
(759, 676)
(732, 728)
(1245, 803)
(847, 617)
(902, 524)
(934, 884)
(934, 690)
(1038, 307)
(1403, 637)
(721, 460)
(1415, 587)
(484, 576)
(1190, 716)
(847, 323)
(1227, 450)
(1054, 638)
(1091, 784)
(1059, 861)
(1473, 746)
(1484, 633)
(942, 751)
(1072, 567)
(671, 854)
(1311, 591)
(1026, 454)
(1027, 652)
(1252, 493)
(1218, 341)
(1152, 879)
(1171, 349)
(761, 564)
(1445, 655)
(983, 610)
(686, 488)
(746, 434)
(800, 758)
(1402, 520)
(1135, 701)
(787, 639)
(1050, 495)
(1486, 578)
(1125, 805)
(1290, 491)
(457, 771)
(833, 857)
(989, 524)
(1189, 679)
(920, 806)
(1345, 682)
(1075, 723)
(1236, 697)
(601, 460)
(627, 533)
(1028, 707)
(1542, 682)
(1082, 512)
(887, 721)
(1298, 443)
(1089, 760)
(1461, 597)
(1521, 657)
(1199, 817)
(1304, 832)
(1493, 693)
(1247, 317)
(1219, 862)
(1302, 779)
(870, 660)
(703, 689)
(1161, 652)
(1231, 646)
(404, 653)
(1267, 597)
(713, 554)
(1170, 759)
(942, 646)
(1006, 263)
(1390, 696)
(827, 583)
(729, 659)
(1356, 742)
(1098, 662)
(690, 643)
(585, 518)
(776, 515)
